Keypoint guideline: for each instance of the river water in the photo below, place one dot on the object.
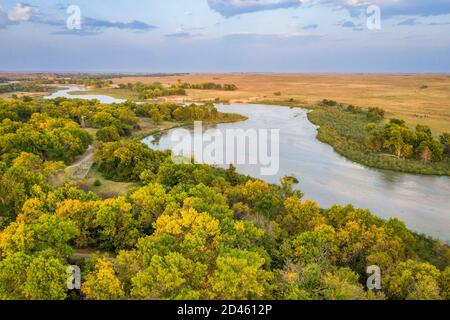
(423, 202)
(64, 93)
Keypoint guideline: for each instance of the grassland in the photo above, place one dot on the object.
(112, 92)
(414, 98)
(8, 95)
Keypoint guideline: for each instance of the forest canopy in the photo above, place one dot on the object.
(183, 231)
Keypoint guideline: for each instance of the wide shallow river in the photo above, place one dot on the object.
(423, 202)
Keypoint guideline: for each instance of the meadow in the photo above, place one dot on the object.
(417, 99)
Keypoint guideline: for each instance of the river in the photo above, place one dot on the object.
(422, 202)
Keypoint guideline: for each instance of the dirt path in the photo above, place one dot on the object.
(81, 167)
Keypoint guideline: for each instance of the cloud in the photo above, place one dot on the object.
(409, 22)
(21, 13)
(269, 38)
(90, 26)
(229, 8)
(348, 24)
(390, 8)
(178, 35)
(310, 26)
(100, 24)
(351, 25)
(439, 23)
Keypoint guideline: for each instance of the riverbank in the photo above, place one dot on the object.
(346, 132)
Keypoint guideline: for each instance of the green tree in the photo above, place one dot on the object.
(117, 228)
(413, 280)
(240, 276)
(103, 283)
(108, 134)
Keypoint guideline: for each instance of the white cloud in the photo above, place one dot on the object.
(389, 8)
(21, 13)
(230, 8)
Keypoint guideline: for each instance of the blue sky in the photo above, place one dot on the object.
(226, 36)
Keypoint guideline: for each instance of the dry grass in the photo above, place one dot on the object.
(402, 96)
(108, 188)
(149, 127)
(8, 95)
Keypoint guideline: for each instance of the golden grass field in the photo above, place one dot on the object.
(415, 98)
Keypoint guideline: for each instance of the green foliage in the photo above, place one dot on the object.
(375, 114)
(51, 138)
(26, 176)
(108, 134)
(414, 281)
(329, 103)
(125, 160)
(191, 231)
(102, 283)
(153, 90)
(393, 146)
(25, 86)
(24, 277)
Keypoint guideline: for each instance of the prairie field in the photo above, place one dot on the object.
(414, 98)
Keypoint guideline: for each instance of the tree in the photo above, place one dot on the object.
(445, 141)
(149, 203)
(171, 276)
(300, 216)
(48, 232)
(83, 215)
(445, 283)
(232, 176)
(413, 280)
(40, 277)
(126, 160)
(375, 114)
(118, 229)
(156, 116)
(319, 246)
(108, 134)
(397, 141)
(103, 283)
(46, 279)
(313, 282)
(430, 150)
(240, 276)
(287, 186)
(342, 284)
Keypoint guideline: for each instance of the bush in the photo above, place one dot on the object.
(125, 160)
(108, 134)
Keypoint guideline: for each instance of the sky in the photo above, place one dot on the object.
(153, 36)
